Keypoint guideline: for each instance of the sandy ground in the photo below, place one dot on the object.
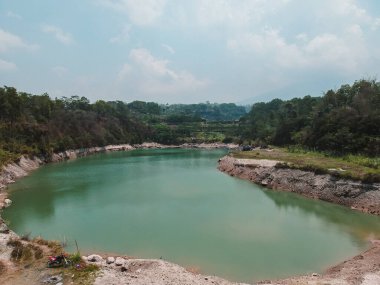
(153, 271)
(363, 269)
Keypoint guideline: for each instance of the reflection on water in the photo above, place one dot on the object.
(176, 204)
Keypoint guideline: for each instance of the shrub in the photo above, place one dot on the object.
(14, 243)
(38, 253)
(21, 252)
(76, 258)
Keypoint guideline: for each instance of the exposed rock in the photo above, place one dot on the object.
(10, 172)
(3, 228)
(153, 145)
(210, 145)
(360, 196)
(94, 258)
(118, 147)
(110, 260)
(157, 272)
(53, 279)
(7, 203)
(119, 261)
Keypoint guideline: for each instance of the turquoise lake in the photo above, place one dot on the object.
(175, 204)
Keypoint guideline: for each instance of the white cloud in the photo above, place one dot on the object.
(346, 12)
(10, 41)
(232, 13)
(58, 33)
(168, 48)
(123, 36)
(124, 72)
(60, 71)
(376, 24)
(153, 76)
(7, 66)
(346, 52)
(11, 14)
(141, 13)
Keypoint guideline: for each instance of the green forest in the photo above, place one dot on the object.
(341, 121)
(39, 125)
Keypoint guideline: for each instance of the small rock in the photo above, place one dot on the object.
(315, 274)
(53, 279)
(123, 269)
(119, 261)
(94, 258)
(60, 283)
(110, 260)
(7, 203)
(4, 229)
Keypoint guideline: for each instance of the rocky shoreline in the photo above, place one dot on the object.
(364, 197)
(363, 269)
(24, 165)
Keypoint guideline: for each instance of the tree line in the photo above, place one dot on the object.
(36, 124)
(39, 125)
(343, 121)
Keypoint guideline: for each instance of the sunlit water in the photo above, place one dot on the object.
(176, 205)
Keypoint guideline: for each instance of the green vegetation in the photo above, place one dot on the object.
(350, 166)
(343, 121)
(24, 252)
(38, 125)
(340, 123)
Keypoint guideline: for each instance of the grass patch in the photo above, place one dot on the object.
(76, 258)
(83, 273)
(354, 167)
(55, 246)
(22, 253)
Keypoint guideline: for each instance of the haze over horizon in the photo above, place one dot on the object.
(170, 51)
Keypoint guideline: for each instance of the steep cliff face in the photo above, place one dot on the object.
(356, 195)
(10, 172)
(18, 169)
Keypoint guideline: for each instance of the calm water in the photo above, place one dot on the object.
(176, 204)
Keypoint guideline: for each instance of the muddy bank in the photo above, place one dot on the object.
(356, 195)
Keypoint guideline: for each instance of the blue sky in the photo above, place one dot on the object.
(179, 51)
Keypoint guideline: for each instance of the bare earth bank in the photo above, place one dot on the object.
(364, 197)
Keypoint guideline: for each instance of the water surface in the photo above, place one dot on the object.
(175, 204)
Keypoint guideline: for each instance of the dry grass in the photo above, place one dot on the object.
(55, 246)
(24, 251)
(352, 167)
(84, 274)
